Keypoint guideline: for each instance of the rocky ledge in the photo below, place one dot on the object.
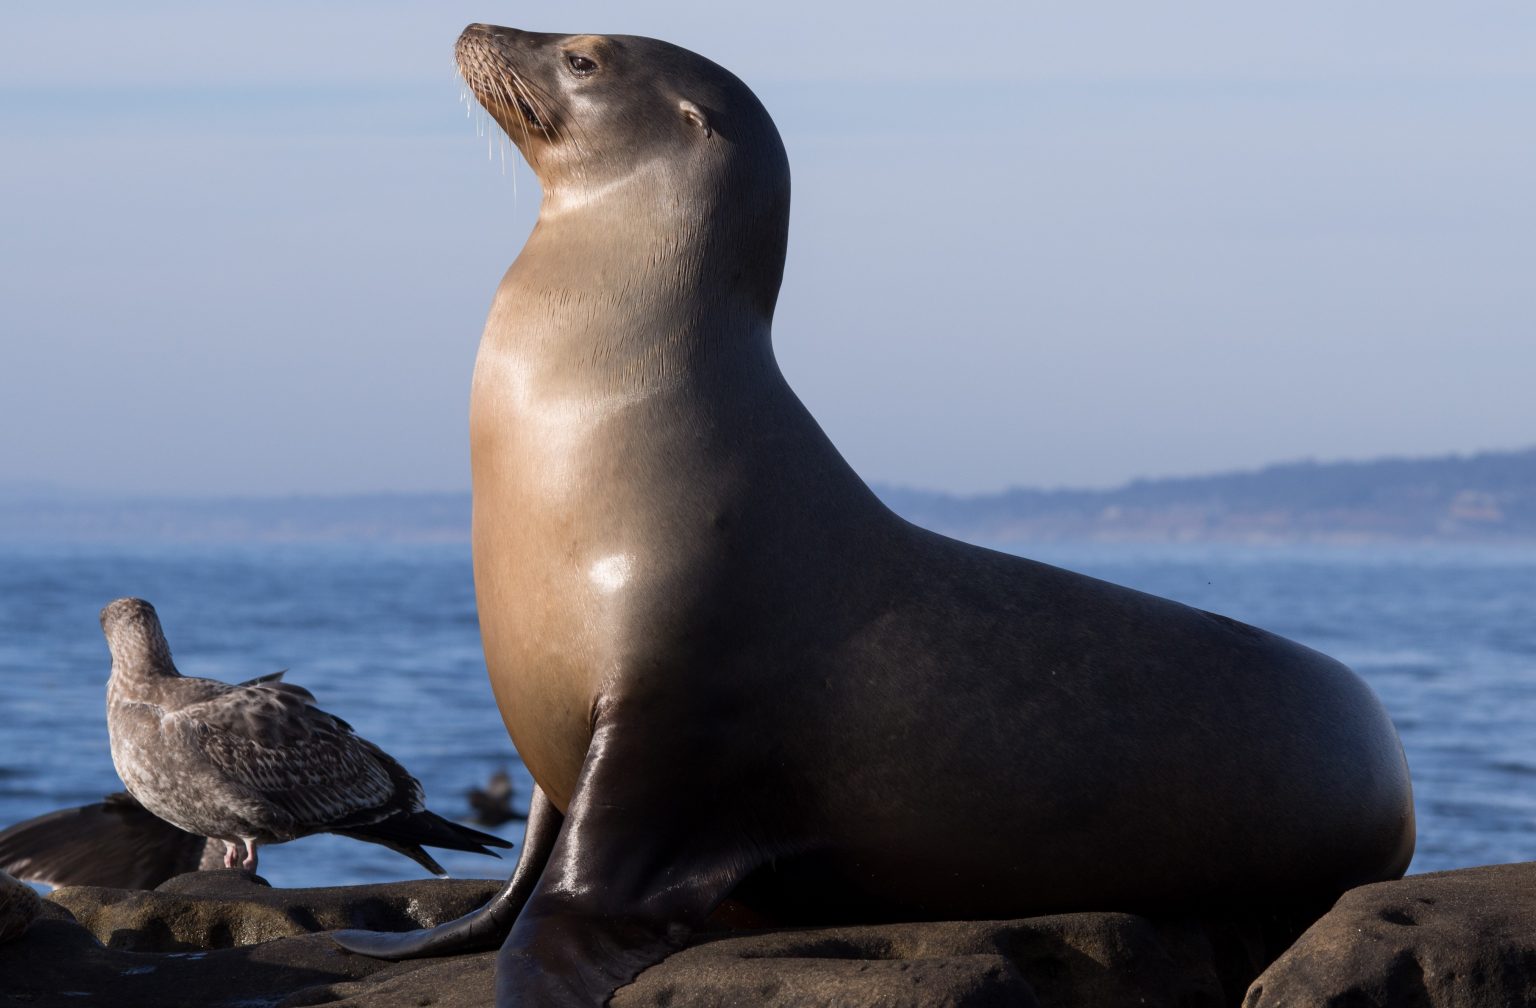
(1465, 938)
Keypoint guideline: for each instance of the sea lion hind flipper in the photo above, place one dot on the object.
(481, 929)
(635, 872)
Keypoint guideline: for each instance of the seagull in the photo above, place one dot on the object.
(254, 763)
(115, 843)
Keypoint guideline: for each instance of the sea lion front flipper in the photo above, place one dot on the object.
(479, 930)
(639, 866)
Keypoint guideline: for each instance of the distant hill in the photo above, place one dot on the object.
(1489, 496)
(1484, 497)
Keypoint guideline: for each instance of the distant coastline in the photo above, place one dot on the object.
(1485, 497)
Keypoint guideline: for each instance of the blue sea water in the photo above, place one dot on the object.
(386, 637)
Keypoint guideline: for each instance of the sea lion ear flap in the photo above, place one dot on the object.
(695, 115)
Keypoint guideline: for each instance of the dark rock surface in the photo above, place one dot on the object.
(19, 907)
(1458, 939)
(228, 907)
(1085, 959)
(225, 938)
(58, 963)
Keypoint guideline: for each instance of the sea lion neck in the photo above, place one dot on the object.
(709, 219)
(638, 291)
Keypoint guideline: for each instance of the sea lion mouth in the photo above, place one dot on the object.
(487, 60)
(529, 115)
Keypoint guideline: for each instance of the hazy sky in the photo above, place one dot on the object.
(249, 249)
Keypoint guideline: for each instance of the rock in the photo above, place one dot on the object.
(1078, 960)
(467, 981)
(229, 907)
(226, 938)
(58, 963)
(19, 907)
(1463, 938)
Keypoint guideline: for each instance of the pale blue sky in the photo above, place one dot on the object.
(249, 250)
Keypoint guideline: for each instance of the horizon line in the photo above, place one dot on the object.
(37, 491)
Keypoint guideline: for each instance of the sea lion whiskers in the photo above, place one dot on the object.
(483, 87)
(480, 89)
(493, 142)
(507, 88)
(521, 97)
(513, 93)
(473, 110)
(560, 126)
(499, 83)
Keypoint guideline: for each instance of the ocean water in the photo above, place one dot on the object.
(386, 637)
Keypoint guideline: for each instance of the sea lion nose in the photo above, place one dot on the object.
(487, 30)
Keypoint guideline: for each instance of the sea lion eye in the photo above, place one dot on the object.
(581, 66)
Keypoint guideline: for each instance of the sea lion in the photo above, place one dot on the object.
(733, 672)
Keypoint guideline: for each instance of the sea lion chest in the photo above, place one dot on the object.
(576, 495)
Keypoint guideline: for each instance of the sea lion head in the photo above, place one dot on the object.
(664, 131)
(587, 106)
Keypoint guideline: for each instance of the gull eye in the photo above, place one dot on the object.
(581, 66)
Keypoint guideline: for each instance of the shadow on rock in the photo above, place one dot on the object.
(1078, 960)
(228, 908)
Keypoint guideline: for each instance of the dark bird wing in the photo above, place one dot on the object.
(115, 843)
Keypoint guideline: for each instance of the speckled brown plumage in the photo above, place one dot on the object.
(256, 763)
